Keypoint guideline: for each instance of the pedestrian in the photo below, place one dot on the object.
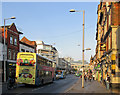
(108, 81)
(90, 77)
(85, 77)
(93, 76)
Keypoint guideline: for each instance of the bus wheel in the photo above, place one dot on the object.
(27, 85)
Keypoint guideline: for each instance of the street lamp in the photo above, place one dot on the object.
(88, 49)
(72, 10)
(4, 49)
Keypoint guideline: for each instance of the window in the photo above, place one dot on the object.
(22, 50)
(9, 53)
(72, 66)
(27, 51)
(109, 42)
(14, 55)
(15, 41)
(11, 39)
(119, 61)
(41, 73)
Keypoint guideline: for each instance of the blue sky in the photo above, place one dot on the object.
(52, 22)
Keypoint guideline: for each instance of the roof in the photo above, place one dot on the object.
(54, 48)
(25, 40)
(26, 44)
(12, 25)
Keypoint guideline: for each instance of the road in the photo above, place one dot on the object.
(58, 86)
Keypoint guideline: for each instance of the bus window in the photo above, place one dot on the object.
(50, 64)
(43, 62)
(50, 73)
(41, 73)
(46, 62)
(44, 73)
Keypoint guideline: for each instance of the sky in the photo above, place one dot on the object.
(51, 22)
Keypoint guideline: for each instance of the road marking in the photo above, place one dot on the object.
(19, 93)
(36, 89)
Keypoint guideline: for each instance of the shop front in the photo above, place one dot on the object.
(11, 69)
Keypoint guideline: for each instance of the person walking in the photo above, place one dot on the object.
(85, 77)
(93, 76)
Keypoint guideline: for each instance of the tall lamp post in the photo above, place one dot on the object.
(72, 10)
(4, 53)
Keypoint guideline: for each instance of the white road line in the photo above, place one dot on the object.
(19, 93)
(36, 89)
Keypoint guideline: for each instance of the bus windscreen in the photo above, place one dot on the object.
(26, 60)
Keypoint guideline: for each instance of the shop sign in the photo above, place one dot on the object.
(11, 64)
(113, 57)
(102, 46)
(98, 65)
(113, 66)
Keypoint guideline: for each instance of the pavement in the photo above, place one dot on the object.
(89, 87)
(3, 87)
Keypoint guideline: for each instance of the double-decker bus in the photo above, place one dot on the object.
(33, 69)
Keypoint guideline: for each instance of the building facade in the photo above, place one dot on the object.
(12, 48)
(47, 51)
(25, 47)
(69, 60)
(78, 66)
(108, 43)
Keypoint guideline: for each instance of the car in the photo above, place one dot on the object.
(78, 74)
(60, 74)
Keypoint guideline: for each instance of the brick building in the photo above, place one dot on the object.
(12, 48)
(108, 43)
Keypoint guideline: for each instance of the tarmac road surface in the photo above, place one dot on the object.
(58, 86)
